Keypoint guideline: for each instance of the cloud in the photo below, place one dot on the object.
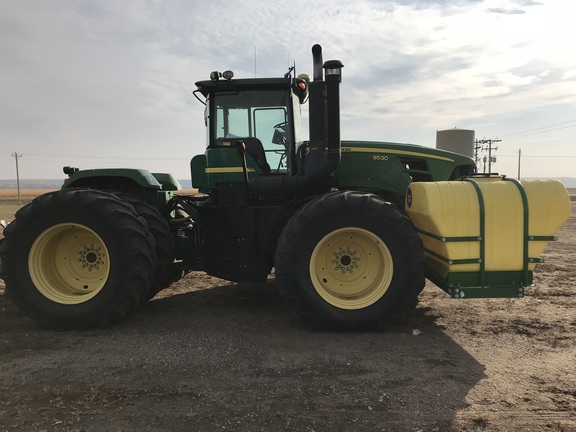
(423, 4)
(531, 3)
(514, 10)
(506, 11)
(104, 77)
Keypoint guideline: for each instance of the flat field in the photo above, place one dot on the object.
(208, 355)
(9, 203)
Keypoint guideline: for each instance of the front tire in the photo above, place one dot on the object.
(77, 259)
(349, 260)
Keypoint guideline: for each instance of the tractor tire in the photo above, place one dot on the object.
(77, 259)
(349, 261)
(164, 243)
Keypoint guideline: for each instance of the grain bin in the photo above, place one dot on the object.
(456, 140)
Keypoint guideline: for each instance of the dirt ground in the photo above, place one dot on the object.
(207, 355)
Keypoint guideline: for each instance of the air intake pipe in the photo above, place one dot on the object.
(324, 118)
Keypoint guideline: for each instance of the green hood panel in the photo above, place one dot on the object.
(383, 166)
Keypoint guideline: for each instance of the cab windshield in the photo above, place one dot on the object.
(259, 117)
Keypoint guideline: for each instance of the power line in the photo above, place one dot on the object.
(539, 156)
(541, 127)
(120, 158)
(546, 131)
(539, 130)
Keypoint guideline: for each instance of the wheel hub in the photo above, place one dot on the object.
(69, 263)
(351, 268)
(345, 260)
(91, 257)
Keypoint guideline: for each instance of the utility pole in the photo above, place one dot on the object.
(477, 147)
(16, 156)
(486, 144)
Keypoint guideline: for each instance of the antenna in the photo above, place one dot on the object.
(254, 61)
(293, 67)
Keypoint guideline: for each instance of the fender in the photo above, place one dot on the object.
(121, 179)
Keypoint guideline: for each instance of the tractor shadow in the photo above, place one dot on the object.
(406, 377)
(209, 355)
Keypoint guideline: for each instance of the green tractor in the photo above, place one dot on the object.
(351, 228)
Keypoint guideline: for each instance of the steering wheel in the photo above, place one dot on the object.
(279, 136)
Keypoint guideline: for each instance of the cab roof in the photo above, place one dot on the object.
(222, 85)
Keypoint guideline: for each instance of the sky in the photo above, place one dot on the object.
(107, 83)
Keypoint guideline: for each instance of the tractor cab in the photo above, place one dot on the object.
(252, 129)
(255, 148)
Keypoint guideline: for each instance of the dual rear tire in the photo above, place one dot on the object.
(79, 259)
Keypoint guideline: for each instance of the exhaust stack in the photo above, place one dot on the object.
(317, 63)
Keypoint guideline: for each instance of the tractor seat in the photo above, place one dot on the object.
(255, 149)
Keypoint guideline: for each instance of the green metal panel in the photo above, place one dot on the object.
(167, 181)
(155, 198)
(391, 167)
(225, 165)
(198, 170)
(138, 182)
(138, 177)
(501, 284)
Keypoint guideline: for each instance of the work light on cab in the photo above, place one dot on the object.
(227, 75)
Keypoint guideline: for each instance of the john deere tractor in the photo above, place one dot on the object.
(350, 229)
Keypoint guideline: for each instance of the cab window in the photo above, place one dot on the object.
(260, 115)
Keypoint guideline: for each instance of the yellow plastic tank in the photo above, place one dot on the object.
(491, 225)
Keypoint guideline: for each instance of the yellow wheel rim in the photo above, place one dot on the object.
(351, 268)
(69, 263)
